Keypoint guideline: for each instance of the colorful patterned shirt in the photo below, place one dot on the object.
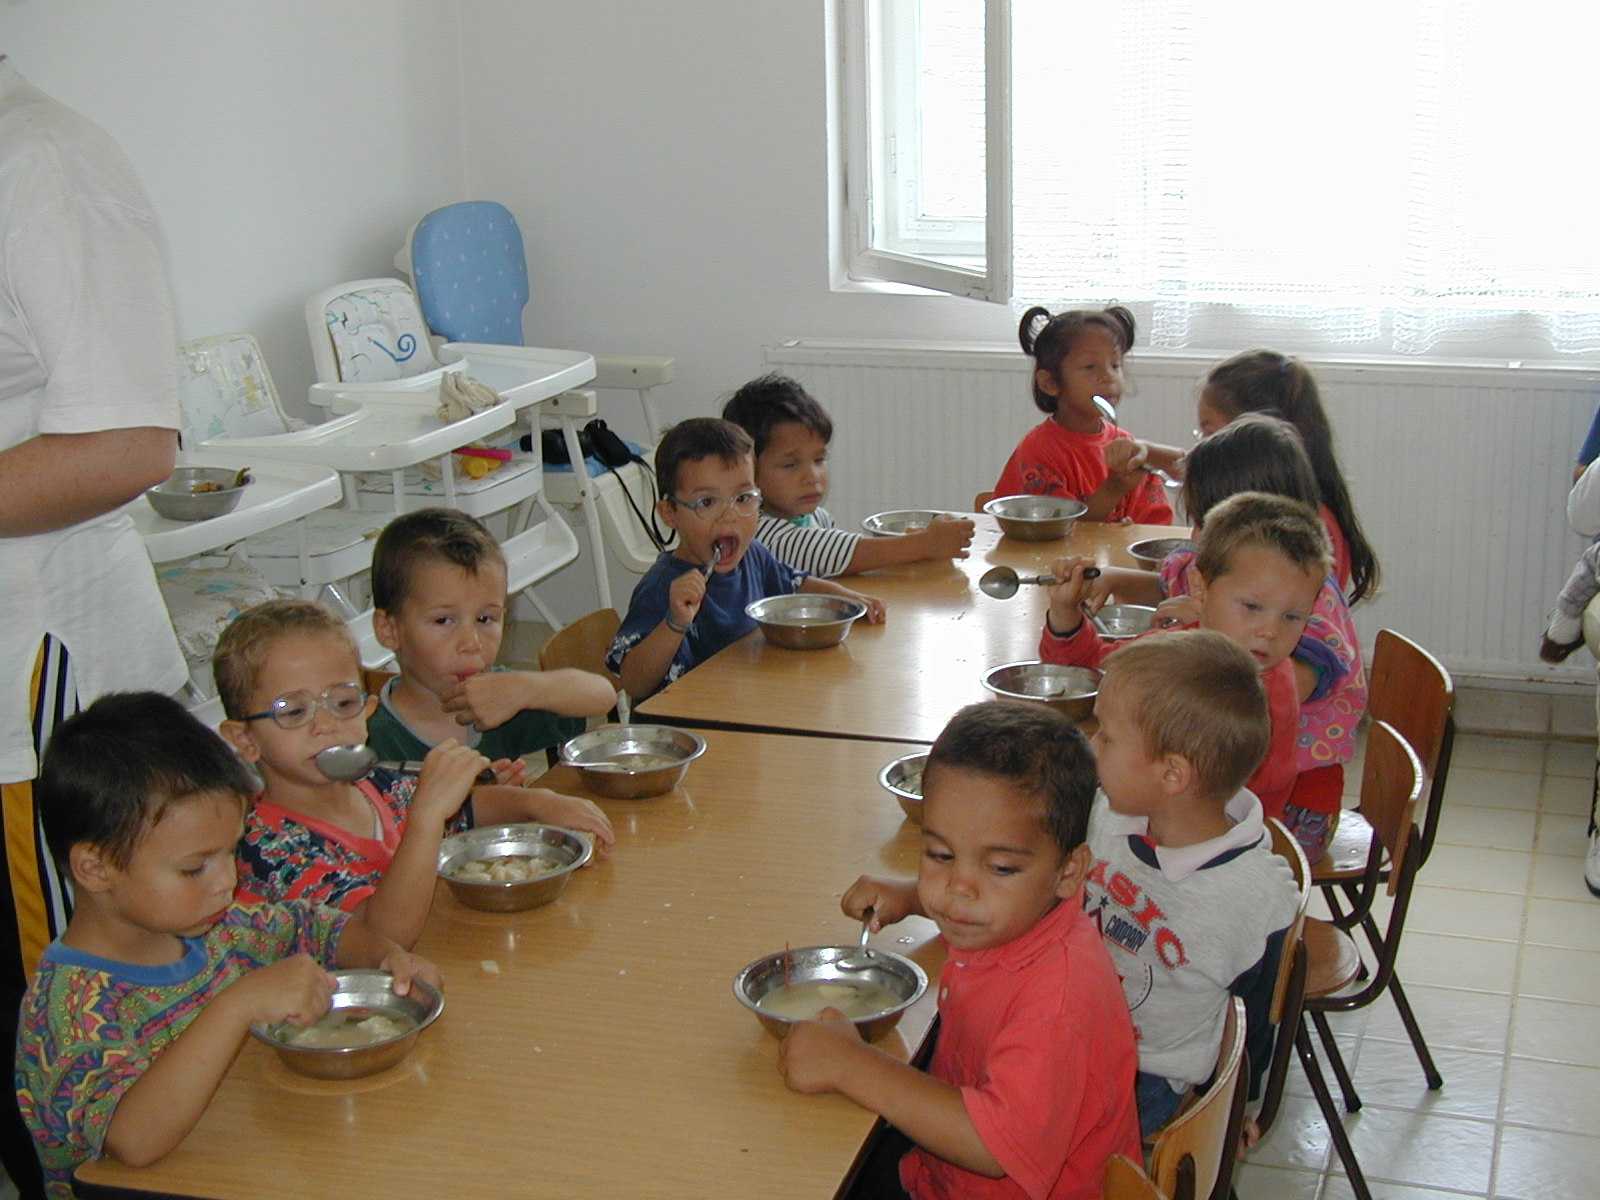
(90, 1027)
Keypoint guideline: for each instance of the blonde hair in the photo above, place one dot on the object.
(1292, 528)
(1198, 695)
(242, 649)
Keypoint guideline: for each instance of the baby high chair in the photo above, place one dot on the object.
(471, 275)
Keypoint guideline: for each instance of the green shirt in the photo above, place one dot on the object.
(529, 731)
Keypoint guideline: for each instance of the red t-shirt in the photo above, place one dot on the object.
(1052, 461)
(1273, 780)
(1036, 1034)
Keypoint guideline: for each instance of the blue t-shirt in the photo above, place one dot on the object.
(721, 619)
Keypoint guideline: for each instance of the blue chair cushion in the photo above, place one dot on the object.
(470, 272)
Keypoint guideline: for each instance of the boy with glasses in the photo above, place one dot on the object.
(691, 602)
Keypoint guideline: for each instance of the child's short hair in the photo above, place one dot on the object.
(1034, 749)
(1290, 527)
(1050, 342)
(242, 649)
(1256, 453)
(427, 535)
(761, 405)
(113, 769)
(694, 439)
(1199, 695)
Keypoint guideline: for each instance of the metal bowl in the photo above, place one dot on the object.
(175, 498)
(1036, 518)
(902, 779)
(888, 970)
(1118, 622)
(563, 848)
(804, 621)
(1151, 552)
(630, 762)
(1070, 690)
(900, 521)
(363, 993)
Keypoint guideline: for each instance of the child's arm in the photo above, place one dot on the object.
(1128, 585)
(493, 805)
(891, 900)
(1069, 596)
(491, 698)
(1166, 458)
(945, 537)
(876, 609)
(645, 665)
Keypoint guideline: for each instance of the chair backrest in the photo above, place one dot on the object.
(225, 390)
(582, 644)
(980, 500)
(1126, 1180)
(1195, 1148)
(1413, 692)
(1286, 846)
(1391, 789)
(470, 272)
(367, 331)
(1288, 990)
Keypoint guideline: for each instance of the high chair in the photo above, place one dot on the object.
(583, 645)
(1192, 1156)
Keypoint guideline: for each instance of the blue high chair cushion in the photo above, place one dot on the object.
(470, 272)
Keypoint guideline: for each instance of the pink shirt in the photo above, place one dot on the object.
(1036, 1034)
(1052, 461)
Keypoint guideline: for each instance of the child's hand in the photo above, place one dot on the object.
(817, 1054)
(448, 775)
(406, 966)
(295, 989)
(685, 596)
(508, 771)
(573, 812)
(890, 900)
(1124, 456)
(946, 537)
(877, 610)
(1175, 611)
(1069, 598)
(490, 698)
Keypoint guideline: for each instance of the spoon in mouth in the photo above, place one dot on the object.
(357, 760)
(1110, 414)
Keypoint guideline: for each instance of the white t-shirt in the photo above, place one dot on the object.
(87, 343)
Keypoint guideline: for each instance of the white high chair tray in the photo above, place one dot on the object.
(279, 492)
(382, 435)
(522, 375)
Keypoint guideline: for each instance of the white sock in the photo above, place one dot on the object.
(1564, 630)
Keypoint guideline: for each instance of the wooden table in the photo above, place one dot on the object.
(607, 1056)
(900, 681)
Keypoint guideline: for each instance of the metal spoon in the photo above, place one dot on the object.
(862, 961)
(1110, 414)
(1002, 582)
(357, 760)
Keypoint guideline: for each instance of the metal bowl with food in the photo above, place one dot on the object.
(196, 493)
(367, 1028)
(900, 521)
(902, 779)
(1152, 552)
(1118, 622)
(804, 621)
(631, 762)
(1036, 518)
(509, 868)
(871, 987)
(1070, 690)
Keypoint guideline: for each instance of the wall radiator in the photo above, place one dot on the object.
(1459, 471)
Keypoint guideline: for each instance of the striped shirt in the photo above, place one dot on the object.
(810, 543)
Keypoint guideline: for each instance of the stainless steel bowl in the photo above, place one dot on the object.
(630, 762)
(902, 779)
(1151, 552)
(900, 521)
(565, 850)
(804, 621)
(1118, 622)
(175, 498)
(360, 993)
(888, 970)
(1036, 518)
(1070, 690)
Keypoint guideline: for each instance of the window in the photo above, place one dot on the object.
(1382, 176)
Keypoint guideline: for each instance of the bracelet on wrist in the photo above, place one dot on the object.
(680, 630)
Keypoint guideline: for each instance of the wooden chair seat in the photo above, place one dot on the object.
(1332, 959)
(1346, 857)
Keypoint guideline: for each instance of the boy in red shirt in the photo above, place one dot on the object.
(1031, 1086)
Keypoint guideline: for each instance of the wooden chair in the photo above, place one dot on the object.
(1391, 788)
(583, 645)
(1126, 1180)
(372, 680)
(1193, 1154)
(1289, 991)
(980, 500)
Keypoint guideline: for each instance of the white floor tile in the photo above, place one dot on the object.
(1570, 758)
(1448, 1152)
(1558, 877)
(1566, 794)
(1442, 961)
(1498, 828)
(1498, 754)
(1568, 1033)
(1553, 1096)
(1340, 1189)
(1552, 974)
(1560, 833)
(1482, 788)
(1252, 1182)
(1537, 1164)
(1477, 869)
(1469, 914)
(1298, 1138)
(1449, 1019)
(1574, 924)
(1392, 1078)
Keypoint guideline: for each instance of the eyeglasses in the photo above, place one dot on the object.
(711, 508)
(294, 710)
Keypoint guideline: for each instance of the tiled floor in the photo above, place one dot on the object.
(1501, 960)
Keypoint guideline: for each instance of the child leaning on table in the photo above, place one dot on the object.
(691, 602)
(1031, 1085)
(1185, 889)
(138, 1009)
(289, 678)
(792, 432)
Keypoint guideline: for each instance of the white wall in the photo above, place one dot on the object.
(286, 146)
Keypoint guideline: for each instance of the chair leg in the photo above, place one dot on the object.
(1414, 1032)
(1352, 1101)
(1330, 1114)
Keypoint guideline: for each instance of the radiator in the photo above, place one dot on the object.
(1459, 472)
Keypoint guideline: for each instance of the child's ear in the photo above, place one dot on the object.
(1046, 383)
(237, 734)
(90, 868)
(1177, 775)
(668, 512)
(386, 629)
(1074, 870)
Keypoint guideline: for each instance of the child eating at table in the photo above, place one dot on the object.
(1185, 889)
(138, 1009)
(288, 675)
(791, 432)
(1030, 1089)
(1258, 573)
(691, 602)
(1075, 451)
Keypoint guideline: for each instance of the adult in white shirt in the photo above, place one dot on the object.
(88, 413)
